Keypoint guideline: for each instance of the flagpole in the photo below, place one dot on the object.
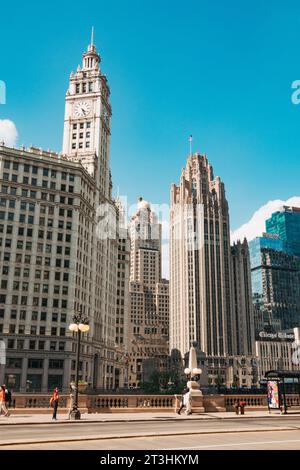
(191, 140)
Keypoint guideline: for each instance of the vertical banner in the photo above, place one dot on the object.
(273, 394)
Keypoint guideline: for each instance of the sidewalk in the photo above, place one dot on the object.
(31, 419)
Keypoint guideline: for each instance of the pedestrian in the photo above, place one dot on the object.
(242, 405)
(185, 401)
(2, 401)
(54, 402)
(237, 406)
(8, 397)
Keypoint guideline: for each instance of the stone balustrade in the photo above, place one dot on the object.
(140, 403)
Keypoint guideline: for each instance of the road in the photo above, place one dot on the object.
(246, 433)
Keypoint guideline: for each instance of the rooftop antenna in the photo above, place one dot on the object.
(92, 36)
(190, 141)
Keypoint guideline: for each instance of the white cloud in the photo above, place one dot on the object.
(256, 225)
(8, 132)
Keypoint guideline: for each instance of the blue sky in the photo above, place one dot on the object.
(220, 70)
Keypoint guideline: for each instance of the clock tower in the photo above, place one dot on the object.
(87, 119)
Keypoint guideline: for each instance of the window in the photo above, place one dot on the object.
(33, 330)
(34, 170)
(31, 344)
(35, 363)
(34, 316)
(23, 315)
(21, 329)
(56, 364)
(26, 168)
(45, 172)
(75, 125)
(13, 314)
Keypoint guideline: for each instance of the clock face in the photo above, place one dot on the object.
(82, 109)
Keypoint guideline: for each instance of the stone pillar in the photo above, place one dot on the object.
(67, 375)
(45, 375)
(23, 387)
(2, 373)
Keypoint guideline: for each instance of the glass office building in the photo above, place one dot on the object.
(275, 275)
(286, 224)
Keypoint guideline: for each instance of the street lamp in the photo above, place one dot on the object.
(80, 325)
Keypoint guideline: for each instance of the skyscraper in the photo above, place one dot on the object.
(200, 269)
(54, 256)
(149, 297)
(242, 299)
(286, 224)
(275, 284)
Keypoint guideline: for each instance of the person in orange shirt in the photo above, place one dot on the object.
(54, 402)
(2, 401)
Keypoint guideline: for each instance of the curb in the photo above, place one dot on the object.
(155, 419)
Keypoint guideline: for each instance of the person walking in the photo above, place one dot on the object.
(8, 397)
(184, 400)
(242, 405)
(2, 401)
(54, 403)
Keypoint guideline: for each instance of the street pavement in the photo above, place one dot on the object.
(272, 440)
(157, 431)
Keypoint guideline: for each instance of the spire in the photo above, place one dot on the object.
(92, 36)
(91, 58)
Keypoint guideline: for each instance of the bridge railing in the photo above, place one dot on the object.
(142, 403)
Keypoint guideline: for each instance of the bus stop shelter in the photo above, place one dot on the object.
(279, 384)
